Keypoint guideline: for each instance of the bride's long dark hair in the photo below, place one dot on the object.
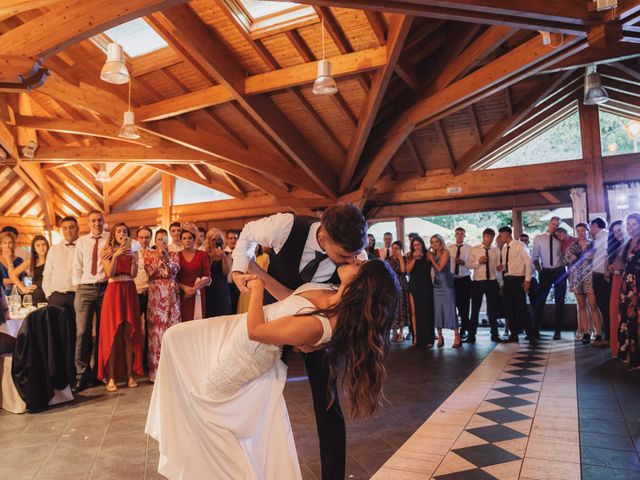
(364, 315)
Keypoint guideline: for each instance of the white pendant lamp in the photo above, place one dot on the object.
(129, 129)
(102, 175)
(115, 69)
(324, 84)
(594, 92)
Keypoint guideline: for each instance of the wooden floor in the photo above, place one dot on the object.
(556, 411)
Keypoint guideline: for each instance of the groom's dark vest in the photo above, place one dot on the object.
(285, 265)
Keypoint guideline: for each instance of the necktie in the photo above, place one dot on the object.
(457, 269)
(506, 262)
(551, 250)
(94, 257)
(309, 270)
(387, 253)
(486, 254)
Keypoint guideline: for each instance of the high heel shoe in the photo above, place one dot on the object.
(457, 343)
(586, 338)
(111, 386)
(440, 342)
(132, 383)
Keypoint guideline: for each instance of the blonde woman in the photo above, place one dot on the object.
(444, 299)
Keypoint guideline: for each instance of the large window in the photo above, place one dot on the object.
(378, 230)
(622, 199)
(445, 225)
(619, 134)
(261, 18)
(535, 222)
(186, 192)
(136, 37)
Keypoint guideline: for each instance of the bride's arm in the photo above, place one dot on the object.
(303, 330)
(274, 287)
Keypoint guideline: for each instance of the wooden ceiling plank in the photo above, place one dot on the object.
(376, 21)
(9, 203)
(32, 203)
(475, 127)
(569, 17)
(506, 124)
(505, 70)
(275, 80)
(150, 62)
(68, 23)
(398, 32)
(416, 156)
(442, 136)
(197, 41)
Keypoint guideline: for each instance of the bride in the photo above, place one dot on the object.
(217, 408)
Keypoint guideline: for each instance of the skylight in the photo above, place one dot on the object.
(259, 9)
(136, 37)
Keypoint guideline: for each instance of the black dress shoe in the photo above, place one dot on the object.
(512, 340)
(557, 336)
(78, 386)
(464, 336)
(496, 339)
(469, 339)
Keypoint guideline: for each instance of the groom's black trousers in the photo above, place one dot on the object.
(329, 420)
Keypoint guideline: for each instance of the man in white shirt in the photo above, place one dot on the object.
(515, 264)
(307, 250)
(175, 230)
(548, 260)
(601, 278)
(143, 235)
(57, 278)
(385, 253)
(484, 259)
(91, 282)
(459, 254)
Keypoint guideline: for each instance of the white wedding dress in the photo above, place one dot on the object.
(217, 408)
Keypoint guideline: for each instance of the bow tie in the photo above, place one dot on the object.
(72, 244)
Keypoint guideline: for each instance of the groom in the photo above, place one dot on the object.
(308, 250)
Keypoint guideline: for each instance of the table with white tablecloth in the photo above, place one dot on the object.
(9, 398)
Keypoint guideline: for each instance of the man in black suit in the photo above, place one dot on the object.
(307, 250)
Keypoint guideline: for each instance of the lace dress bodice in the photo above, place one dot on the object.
(242, 360)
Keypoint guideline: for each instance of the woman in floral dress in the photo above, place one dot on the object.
(628, 331)
(396, 261)
(164, 302)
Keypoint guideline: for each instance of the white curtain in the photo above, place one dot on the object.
(579, 204)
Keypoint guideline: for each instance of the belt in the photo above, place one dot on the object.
(97, 284)
(66, 293)
(120, 278)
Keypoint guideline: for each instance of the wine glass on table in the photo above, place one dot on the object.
(27, 301)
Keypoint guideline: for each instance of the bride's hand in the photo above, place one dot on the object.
(255, 284)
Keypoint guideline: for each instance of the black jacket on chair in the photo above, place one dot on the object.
(44, 356)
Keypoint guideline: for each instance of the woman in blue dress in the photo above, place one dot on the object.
(444, 299)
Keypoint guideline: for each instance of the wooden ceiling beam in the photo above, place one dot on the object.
(568, 17)
(519, 63)
(616, 53)
(67, 23)
(398, 32)
(150, 62)
(446, 146)
(413, 151)
(279, 79)
(32, 203)
(13, 7)
(69, 180)
(377, 23)
(186, 173)
(521, 111)
(198, 43)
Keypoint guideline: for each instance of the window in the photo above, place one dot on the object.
(555, 142)
(445, 225)
(616, 136)
(379, 229)
(186, 192)
(150, 199)
(622, 199)
(535, 222)
(136, 37)
(261, 18)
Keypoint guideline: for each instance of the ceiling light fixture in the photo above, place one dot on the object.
(324, 84)
(129, 129)
(115, 69)
(594, 92)
(102, 175)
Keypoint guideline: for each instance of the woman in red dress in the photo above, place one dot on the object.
(120, 332)
(193, 276)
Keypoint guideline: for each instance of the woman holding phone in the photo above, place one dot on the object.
(164, 300)
(218, 294)
(120, 330)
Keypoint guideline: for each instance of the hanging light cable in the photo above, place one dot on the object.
(324, 84)
(129, 129)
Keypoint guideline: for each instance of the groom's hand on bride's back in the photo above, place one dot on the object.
(308, 348)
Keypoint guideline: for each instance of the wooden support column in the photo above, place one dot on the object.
(592, 155)
(168, 183)
(400, 229)
(516, 219)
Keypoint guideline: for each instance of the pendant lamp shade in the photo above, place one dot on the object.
(594, 92)
(324, 84)
(103, 176)
(129, 129)
(114, 69)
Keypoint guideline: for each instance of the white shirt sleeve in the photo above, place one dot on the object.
(76, 269)
(271, 232)
(48, 271)
(535, 252)
(527, 263)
